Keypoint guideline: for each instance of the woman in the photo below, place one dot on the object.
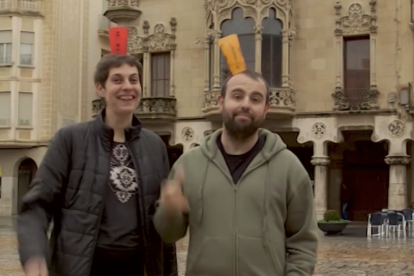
(99, 181)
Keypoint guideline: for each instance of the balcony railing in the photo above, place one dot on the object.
(149, 108)
(282, 103)
(122, 11)
(123, 3)
(23, 5)
(356, 99)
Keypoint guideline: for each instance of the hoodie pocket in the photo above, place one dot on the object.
(254, 258)
(213, 258)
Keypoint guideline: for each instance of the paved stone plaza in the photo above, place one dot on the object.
(349, 254)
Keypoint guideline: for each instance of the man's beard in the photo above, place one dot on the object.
(241, 130)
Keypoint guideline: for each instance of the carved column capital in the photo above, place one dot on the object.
(320, 160)
(397, 159)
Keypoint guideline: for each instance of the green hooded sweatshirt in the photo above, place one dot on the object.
(264, 225)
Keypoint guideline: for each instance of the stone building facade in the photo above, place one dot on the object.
(45, 79)
(340, 77)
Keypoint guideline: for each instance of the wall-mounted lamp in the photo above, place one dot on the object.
(405, 97)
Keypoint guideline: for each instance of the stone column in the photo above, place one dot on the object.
(217, 74)
(321, 191)
(258, 48)
(397, 190)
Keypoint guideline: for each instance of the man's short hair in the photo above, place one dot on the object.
(111, 61)
(251, 74)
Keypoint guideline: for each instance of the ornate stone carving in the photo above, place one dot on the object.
(97, 106)
(356, 22)
(160, 107)
(318, 129)
(356, 99)
(256, 9)
(397, 128)
(123, 3)
(159, 41)
(208, 132)
(149, 108)
(282, 97)
(397, 159)
(120, 11)
(187, 134)
(210, 100)
(320, 161)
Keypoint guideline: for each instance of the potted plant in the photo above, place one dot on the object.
(332, 224)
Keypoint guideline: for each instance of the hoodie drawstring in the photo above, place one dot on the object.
(266, 206)
(201, 195)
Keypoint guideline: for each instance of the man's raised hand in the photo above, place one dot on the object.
(172, 195)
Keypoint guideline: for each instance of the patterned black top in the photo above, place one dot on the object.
(119, 226)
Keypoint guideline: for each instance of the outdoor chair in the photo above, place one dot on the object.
(408, 215)
(377, 221)
(396, 223)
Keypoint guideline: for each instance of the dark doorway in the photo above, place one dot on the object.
(174, 152)
(26, 172)
(303, 152)
(366, 175)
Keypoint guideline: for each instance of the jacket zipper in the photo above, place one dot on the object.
(141, 201)
(104, 198)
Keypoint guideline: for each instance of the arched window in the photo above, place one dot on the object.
(244, 28)
(272, 50)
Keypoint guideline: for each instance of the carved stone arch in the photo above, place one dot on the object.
(227, 14)
(280, 15)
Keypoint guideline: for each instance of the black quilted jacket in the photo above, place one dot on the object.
(70, 188)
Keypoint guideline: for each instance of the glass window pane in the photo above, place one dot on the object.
(5, 36)
(276, 61)
(237, 24)
(167, 64)
(153, 87)
(26, 56)
(271, 25)
(8, 57)
(154, 67)
(27, 37)
(266, 58)
(357, 63)
(5, 109)
(160, 67)
(244, 28)
(160, 74)
(25, 109)
(248, 46)
(167, 88)
(160, 88)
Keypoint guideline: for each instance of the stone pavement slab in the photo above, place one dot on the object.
(349, 254)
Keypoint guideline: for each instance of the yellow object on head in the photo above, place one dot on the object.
(230, 47)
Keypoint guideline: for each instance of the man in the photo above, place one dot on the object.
(345, 198)
(99, 181)
(247, 199)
